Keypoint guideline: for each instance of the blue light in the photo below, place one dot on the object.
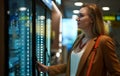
(27, 55)
(28, 68)
(68, 39)
(28, 73)
(118, 18)
(28, 60)
(58, 2)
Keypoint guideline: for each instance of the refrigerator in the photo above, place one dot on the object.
(43, 36)
(29, 27)
(20, 38)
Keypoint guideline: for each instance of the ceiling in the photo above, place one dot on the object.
(68, 6)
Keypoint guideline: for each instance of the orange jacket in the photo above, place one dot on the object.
(105, 61)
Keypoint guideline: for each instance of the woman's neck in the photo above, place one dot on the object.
(88, 32)
(88, 35)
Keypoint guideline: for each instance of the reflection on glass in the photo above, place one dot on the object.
(48, 38)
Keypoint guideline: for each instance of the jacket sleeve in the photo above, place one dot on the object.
(56, 69)
(111, 60)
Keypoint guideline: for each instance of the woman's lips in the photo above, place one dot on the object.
(78, 23)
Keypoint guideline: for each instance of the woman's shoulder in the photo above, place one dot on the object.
(106, 39)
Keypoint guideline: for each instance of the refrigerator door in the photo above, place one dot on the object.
(20, 38)
(43, 34)
(48, 38)
(40, 35)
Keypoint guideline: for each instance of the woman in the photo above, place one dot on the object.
(105, 60)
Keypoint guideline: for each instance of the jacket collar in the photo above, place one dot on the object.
(84, 57)
(77, 41)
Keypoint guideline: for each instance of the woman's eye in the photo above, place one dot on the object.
(80, 15)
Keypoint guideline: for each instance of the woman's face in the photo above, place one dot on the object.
(83, 20)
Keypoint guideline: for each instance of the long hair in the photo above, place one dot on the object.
(96, 15)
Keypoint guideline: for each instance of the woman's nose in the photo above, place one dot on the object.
(77, 19)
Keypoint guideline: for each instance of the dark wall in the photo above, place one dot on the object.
(2, 49)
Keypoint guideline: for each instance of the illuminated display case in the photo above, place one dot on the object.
(43, 29)
(20, 38)
(23, 33)
(40, 35)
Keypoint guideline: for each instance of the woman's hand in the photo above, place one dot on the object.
(41, 67)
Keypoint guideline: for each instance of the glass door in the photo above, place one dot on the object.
(43, 34)
(48, 38)
(40, 35)
(20, 38)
